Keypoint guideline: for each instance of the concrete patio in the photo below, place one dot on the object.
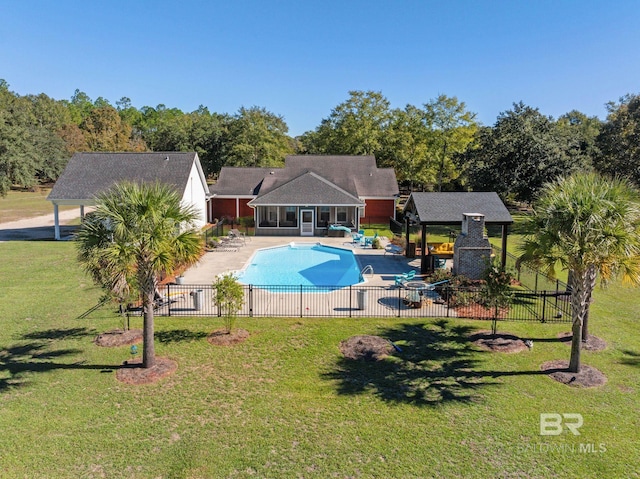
(385, 266)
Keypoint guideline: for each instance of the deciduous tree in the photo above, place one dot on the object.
(619, 140)
(451, 128)
(355, 127)
(519, 154)
(257, 137)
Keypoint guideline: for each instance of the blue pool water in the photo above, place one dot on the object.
(302, 264)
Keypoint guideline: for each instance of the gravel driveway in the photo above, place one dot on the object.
(38, 227)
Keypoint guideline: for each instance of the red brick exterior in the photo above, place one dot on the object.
(378, 211)
(219, 207)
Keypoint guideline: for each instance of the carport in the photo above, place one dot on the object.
(432, 209)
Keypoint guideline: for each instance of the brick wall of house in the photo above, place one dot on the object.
(220, 207)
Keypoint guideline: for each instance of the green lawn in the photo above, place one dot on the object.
(285, 404)
(26, 204)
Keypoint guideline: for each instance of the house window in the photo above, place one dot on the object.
(341, 214)
(324, 216)
(289, 216)
(269, 216)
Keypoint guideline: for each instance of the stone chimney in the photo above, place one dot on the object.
(472, 248)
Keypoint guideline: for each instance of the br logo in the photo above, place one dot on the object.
(552, 424)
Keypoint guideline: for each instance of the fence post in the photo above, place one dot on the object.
(169, 299)
(350, 301)
(544, 306)
(448, 301)
(251, 301)
(300, 300)
(399, 302)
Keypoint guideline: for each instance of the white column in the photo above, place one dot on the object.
(237, 207)
(56, 222)
(81, 213)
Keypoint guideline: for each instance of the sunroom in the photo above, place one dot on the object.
(306, 206)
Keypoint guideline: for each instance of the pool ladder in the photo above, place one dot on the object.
(368, 269)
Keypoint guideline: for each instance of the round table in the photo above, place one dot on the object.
(415, 285)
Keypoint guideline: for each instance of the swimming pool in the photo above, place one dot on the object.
(302, 264)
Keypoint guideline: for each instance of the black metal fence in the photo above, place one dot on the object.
(531, 278)
(363, 301)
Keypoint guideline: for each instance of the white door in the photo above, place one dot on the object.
(306, 222)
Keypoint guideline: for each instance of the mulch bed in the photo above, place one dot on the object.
(119, 337)
(220, 337)
(132, 371)
(500, 342)
(588, 377)
(477, 311)
(366, 348)
(593, 343)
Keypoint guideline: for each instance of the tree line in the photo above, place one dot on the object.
(438, 146)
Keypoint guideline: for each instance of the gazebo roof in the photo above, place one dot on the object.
(448, 208)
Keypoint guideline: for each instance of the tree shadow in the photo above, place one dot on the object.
(436, 364)
(632, 358)
(179, 335)
(59, 333)
(18, 361)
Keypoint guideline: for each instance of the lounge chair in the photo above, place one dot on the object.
(237, 235)
(393, 249)
(400, 279)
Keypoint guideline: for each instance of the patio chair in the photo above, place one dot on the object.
(413, 299)
(400, 279)
(368, 240)
(357, 237)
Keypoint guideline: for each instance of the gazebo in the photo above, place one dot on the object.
(448, 208)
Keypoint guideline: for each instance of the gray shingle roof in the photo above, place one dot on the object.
(357, 176)
(89, 174)
(309, 188)
(235, 181)
(447, 208)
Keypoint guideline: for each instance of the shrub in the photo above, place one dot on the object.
(229, 297)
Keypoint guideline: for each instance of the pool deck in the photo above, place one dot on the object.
(385, 266)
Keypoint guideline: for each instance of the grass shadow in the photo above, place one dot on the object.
(436, 364)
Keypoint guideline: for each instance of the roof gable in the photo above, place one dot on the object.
(90, 174)
(308, 188)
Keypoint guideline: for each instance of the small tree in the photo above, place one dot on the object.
(589, 225)
(134, 233)
(496, 292)
(229, 297)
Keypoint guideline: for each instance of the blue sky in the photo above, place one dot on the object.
(300, 58)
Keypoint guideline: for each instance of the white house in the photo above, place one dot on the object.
(89, 174)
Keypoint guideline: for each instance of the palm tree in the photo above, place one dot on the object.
(137, 232)
(588, 225)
